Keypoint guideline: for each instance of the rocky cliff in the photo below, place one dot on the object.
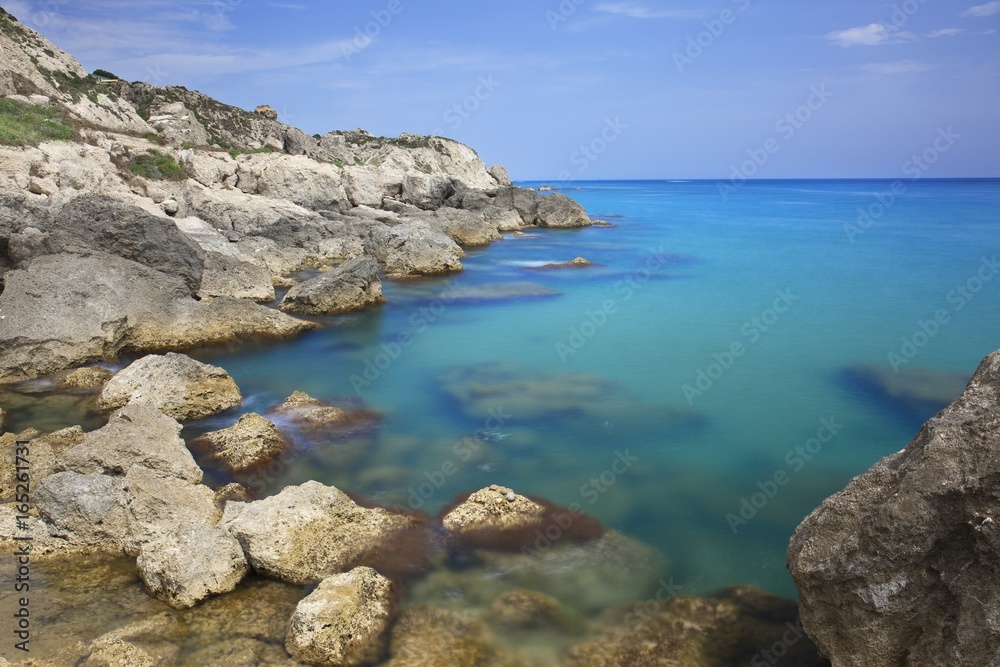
(901, 567)
(125, 208)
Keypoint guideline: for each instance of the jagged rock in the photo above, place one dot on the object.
(306, 533)
(89, 377)
(900, 567)
(464, 227)
(524, 202)
(558, 210)
(178, 124)
(364, 187)
(499, 173)
(232, 491)
(496, 517)
(156, 505)
(351, 286)
(138, 434)
(184, 567)
(317, 186)
(266, 111)
(345, 621)
(250, 443)
(738, 626)
(524, 608)
(42, 543)
(86, 510)
(504, 220)
(427, 636)
(426, 192)
(97, 223)
(178, 385)
(413, 249)
(226, 275)
(117, 653)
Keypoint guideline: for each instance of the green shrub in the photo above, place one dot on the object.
(29, 125)
(104, 74)
(157, 165)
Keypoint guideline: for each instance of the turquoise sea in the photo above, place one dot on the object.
(691, 389)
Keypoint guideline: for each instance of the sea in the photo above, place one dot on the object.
(730, 357)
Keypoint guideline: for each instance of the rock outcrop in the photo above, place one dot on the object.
(900, 568)
(178, 385)
(350, 286)
(344, 622)
(309, 532)
(413, 249)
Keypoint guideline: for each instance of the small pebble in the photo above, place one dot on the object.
(511, 496)
(493, 487)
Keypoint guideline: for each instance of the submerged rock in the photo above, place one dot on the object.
(317, 418)
(248, 444)
(900, 567)
(428, 636)
(497, 518)
(920, 392)
(739, 626)
(577, 263)
(309, 532)
(178, 385)
(523, 608)
(184, 566)
(351, 286)
(88, 377)
(345, 621)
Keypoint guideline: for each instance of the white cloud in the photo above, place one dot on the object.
(874, 34)
(637, 11)
(946, 32)
(898, 67)
(989, 9)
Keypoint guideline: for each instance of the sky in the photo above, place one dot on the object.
(588, 89)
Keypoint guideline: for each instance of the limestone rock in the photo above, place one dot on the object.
(156, 505)
(250, 443)
(184, 567)
(524, 608)
(739, 626)
(499, 173)
(138, 434)
(497, 517)
(226, 275)
(313, 416)
(899, 568)
(351, 286)
(42, 451)
(266, 111)
(88, 377)
(86, 510)
(426, 192)
(345, 621)
(306, 533)
(428, 636)
(413, 249)
(178, 385)
(558, 210)
(464, 227)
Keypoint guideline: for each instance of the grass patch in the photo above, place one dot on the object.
(236, 152)
(29, 125)
(337, 161)
(158, 166)
(358, 161)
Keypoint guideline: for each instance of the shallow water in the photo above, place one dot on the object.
(580, 396)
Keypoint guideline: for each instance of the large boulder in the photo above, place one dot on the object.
(309, 532)
(157, 505)
(345, 621)
(97, 223)
(901, 567)
(558, 210)
(465, 228)
(85, 510)
(178, 385)
(67, 310)
(426, 192)
(137, 435)
(413, 249)
(350, 286)
(186, 566)
(246, 445)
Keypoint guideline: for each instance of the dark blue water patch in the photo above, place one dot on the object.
(912, 399)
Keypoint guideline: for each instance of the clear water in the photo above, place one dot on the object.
(681, 277)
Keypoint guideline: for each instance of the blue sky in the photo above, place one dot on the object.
(583, 88)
